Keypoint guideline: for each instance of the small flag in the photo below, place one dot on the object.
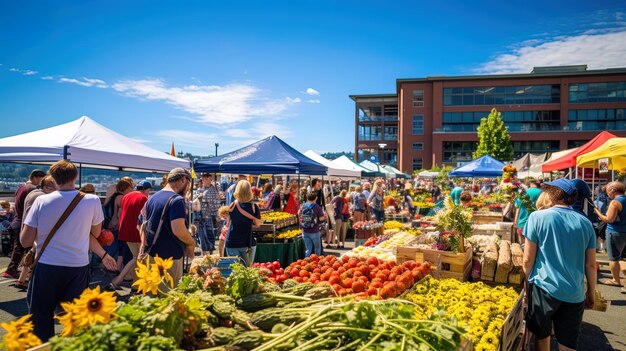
(193, 174)
(173, 152)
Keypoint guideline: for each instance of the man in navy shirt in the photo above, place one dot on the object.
(174, 239)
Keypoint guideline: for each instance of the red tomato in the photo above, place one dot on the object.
(336, 265)
(276, 264)
(337, 287)
(371, 291)
(334, 280)
(294, 273)
(358, 286)
(372, 261)
(298, 279)
(345, 259)
(347, 283)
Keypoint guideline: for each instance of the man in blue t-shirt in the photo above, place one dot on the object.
(559, 254)
(521, 214)
(173, 240)
(311, 214)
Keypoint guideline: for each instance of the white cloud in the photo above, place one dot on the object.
(606, 49)
(47, 78)
(84, 82)
(210, 104)
(185, 137)
(312, 91)
(25, 72)
(313, 101)
(294, 101)
(265, 129)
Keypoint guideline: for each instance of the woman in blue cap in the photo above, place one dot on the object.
(559, 254)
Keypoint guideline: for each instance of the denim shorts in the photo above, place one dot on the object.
(615, 243)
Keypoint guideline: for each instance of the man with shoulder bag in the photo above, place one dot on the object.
(164, 233)
(64, 225)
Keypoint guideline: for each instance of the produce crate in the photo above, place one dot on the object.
(43, 347)
(447, 264)
(224, 265)
(364, 233)
(512, 327)
(487, 217)
(405, 253)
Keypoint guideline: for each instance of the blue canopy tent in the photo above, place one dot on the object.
(485, 166)
(268, 156)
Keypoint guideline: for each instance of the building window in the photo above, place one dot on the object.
(509, 95)
(418, 125)
(597, 92)
(371, 114)
(417, 146)
(521, 148)
(458, 151)
(391, 132)
(418, 98)
(369, 133)
(515, 121)
(390, 157)
(364, 154)
(417, 163)
(597, 119)
(575, 143)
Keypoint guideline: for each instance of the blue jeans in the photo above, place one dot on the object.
(206, 234)
(379, 215)
(241, 252)
(312, 241)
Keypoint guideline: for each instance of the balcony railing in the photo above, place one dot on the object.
(378, 119)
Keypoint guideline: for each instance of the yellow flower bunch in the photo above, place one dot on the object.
(19, 335)
(423, 204)
(151, 275)
(93, 306)
(274, 216)
(479, 307)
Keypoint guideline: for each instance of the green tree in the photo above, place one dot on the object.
(494, 138)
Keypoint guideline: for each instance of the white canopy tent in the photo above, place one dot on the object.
(375, 168)
(428, 174)
(334, 170)
(344, 162)
(88, 144)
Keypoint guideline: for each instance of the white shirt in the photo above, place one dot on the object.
(70, 245)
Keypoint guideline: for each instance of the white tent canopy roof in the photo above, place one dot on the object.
(344, 162)
(374, 167)
(89, 144)
(334, 170)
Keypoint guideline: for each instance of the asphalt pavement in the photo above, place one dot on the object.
(601, 331)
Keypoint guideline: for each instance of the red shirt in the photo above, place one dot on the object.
(132, 203)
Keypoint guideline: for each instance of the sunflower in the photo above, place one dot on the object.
(94, 307)
(163, 265)
(490, 338)
(19, 335)
(67, 319)
(148, 279)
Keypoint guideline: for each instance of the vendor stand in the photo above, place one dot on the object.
(275, 157)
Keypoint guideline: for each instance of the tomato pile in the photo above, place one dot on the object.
(271, 271)
(353, 275)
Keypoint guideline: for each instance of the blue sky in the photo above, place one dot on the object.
(200, 72)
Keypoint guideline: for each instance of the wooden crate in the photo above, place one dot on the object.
(487, 217)
(460, 264)
(363, 233)
(512, 327)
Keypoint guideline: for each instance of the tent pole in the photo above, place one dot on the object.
(80, 175)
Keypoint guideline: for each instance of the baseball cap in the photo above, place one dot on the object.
(205, 174)
(582, 187)
(565, 184)
(37, 173)
(144, 185)
(178, 172)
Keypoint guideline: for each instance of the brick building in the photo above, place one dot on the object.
(433, 120)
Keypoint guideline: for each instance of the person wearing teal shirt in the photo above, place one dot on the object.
(521, 214)
(559, 254)
(456, 194)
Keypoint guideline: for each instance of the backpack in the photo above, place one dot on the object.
(309, 219)
(109, 209)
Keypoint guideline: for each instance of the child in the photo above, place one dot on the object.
(222, 213)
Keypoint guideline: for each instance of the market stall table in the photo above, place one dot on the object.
(285, 252)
